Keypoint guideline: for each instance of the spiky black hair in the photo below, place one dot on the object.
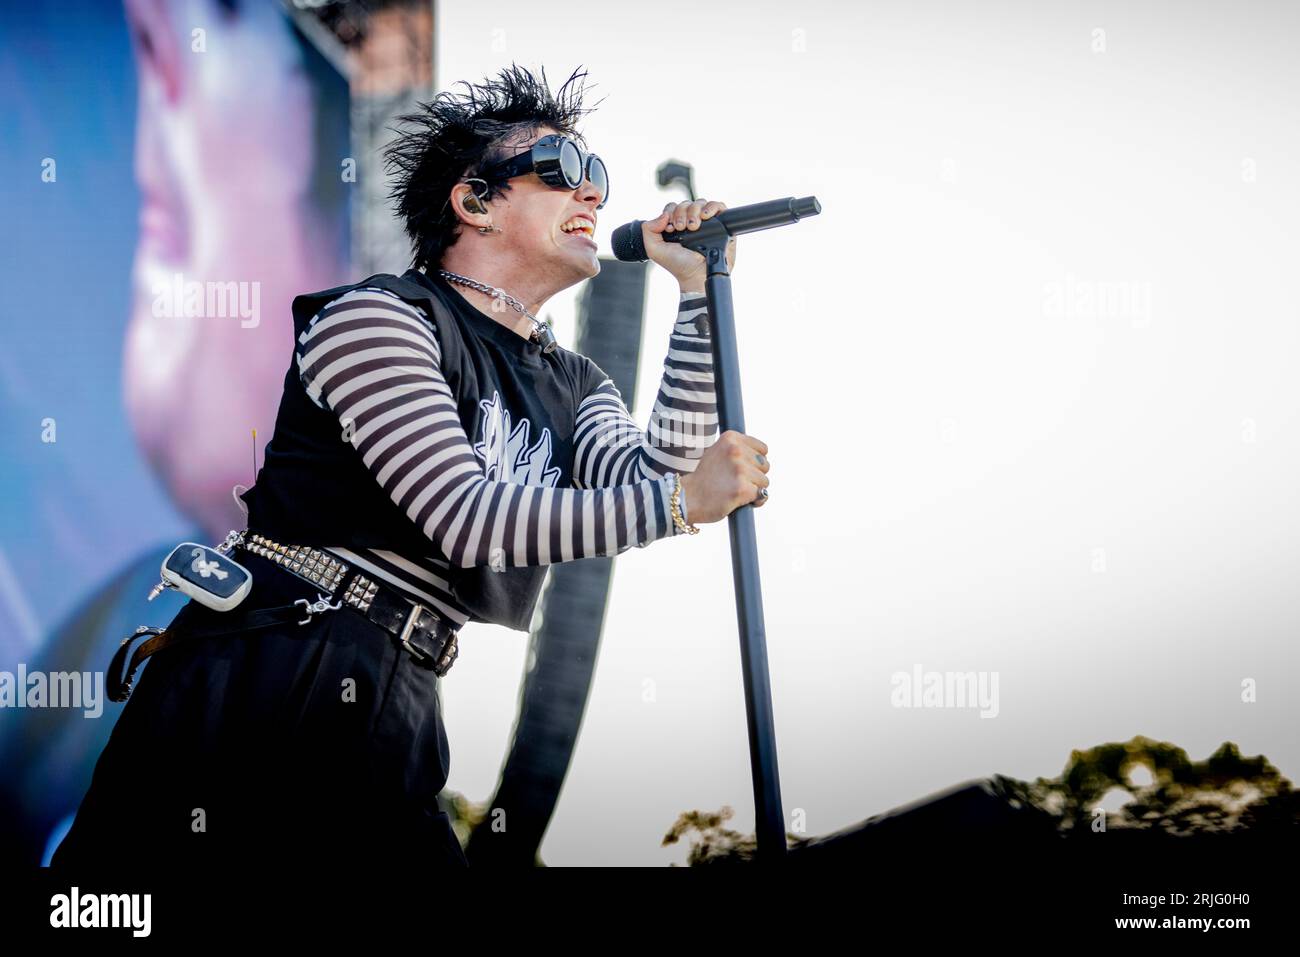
(456, 136)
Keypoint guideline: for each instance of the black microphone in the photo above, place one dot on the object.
(630, 247)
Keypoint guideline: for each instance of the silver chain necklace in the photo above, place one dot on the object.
(541, 330)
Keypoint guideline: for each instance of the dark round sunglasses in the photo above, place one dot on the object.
(560, 162)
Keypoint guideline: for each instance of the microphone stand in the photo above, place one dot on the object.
(710, 240)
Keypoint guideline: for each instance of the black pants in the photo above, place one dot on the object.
(317, 745)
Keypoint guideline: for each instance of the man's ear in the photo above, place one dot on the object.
(462, 200)
(470, 195)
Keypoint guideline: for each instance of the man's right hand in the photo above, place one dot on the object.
(730, 474)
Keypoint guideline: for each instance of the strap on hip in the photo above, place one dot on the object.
(119, 685)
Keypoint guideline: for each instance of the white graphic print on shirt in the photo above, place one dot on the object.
(505, 451)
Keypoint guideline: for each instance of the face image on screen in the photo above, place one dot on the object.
(196, 154)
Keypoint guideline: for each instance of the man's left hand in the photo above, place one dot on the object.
(686, 265)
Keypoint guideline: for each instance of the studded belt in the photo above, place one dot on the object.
(427, 636)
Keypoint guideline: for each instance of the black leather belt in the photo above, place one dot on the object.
(428, 637)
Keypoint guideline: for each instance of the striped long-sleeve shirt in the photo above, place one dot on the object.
(611, 448)
(375, 361)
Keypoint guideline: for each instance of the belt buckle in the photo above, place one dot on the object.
(408, 628)
(446, 655)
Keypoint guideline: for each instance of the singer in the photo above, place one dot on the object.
(434, 451)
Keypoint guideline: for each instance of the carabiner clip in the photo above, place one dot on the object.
(321, 604)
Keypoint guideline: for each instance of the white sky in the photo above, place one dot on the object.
(956, 426)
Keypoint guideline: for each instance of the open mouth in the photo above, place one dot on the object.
(581, 227)
(161, 231)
